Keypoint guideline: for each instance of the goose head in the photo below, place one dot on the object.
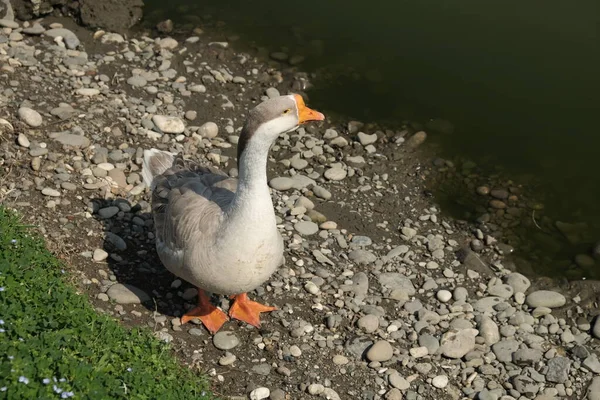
(272, 118)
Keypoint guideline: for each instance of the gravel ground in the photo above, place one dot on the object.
(381, 296)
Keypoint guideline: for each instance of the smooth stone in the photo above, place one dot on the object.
(394, 394)
(260, 393)
(519, 282)
(209, 130)
(593, 392)
(30, 116)
(335, 174)
(167, 43)
(137, 81)
(99, 255)
(168, 124)
(502, 290)
(362, 257)
(368, 323)
(70, 39)
(9, 24)
(71, 139)
(380, 351)
(457, 343)
(50, 192)
(366, 139)
(444, 296)
(397, 381)
(306, 228)
(88, 91)
(321, 192)
(488, 330)
(281, 183)
(127, 294)
(227, 359)
(430, 342)
(545, 298)
(592, 363)
(23, 141)
(339, 359)
(108, 212)
(225, 340)
(440, 381)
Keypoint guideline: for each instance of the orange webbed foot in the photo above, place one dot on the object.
(247, 310)
(212, 317)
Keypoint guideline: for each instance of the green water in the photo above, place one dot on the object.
(520, 81)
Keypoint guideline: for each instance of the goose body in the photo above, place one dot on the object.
(217, 232)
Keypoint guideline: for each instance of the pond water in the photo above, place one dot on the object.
(519, 81)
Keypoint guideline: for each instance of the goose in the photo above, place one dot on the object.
(216, 232)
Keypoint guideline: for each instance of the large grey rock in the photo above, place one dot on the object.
(519, 282)
(593, 392)
(596, 328)
(396, 281)
(545, 298)
(380, 351)
(457, 343)
(505, 349)
(558, 370)
(488, 330)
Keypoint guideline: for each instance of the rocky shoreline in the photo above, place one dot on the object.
(381, 296)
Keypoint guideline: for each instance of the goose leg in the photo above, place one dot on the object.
(212, 317)
(247, 310)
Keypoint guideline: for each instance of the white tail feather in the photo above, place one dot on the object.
(156, 162)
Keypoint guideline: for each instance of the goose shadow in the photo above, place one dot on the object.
(132, 259)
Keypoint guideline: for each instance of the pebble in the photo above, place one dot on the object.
(444, 296)
(335, 174)
(99, 255)
(50, 192)
(488, 330)
(260, 393)
(127, 294)
(306, 228)
(520, 283)
(225, 340)
(281, 183)
(440, 381)
(23, 141)
(365, 139)
(168, 124)
(30, 117)
(545, 298)
(380, 351)
(397, 381)
(593, 392)
(339, 359)
(457, 343)
(368, 323)
(87, 92)
(209, 130)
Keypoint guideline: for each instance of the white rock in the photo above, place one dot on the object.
(127, 294)
(335, 174)
(488, 330)
(23, 140)
(367, 139)
(444, 296)
(260, 393)
(440, 381)
(209, 130)
(368, 323)
(99, 255)
(281, 183)
(457, 343)
(30, 116)
(167, 43)
(168, 124)
(87, 91)
(306, 228)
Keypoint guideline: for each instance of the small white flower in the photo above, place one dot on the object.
(66, 395)
(23, 379)
(1, 288)
(56, 389)
(1, 322)
(129, 369)
(13, 241)
(2, 330)
(45, 381)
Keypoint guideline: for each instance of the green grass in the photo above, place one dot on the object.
(54, 345)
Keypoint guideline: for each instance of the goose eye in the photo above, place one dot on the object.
(287, 110)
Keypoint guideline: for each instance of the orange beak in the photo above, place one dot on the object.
(306, 114)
